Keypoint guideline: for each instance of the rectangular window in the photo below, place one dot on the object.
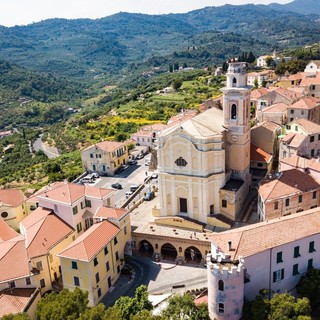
(76, 281)
(79, 227)
(296, 252)
(108, 266)
(39, 266)
(224, 203)
(292, 111)
(296, 128)
(82, 205)
(42, 283)
(88, 203)
(55, 208)
(318, 136)
(99, 292)
(115, 240)
(91, 155)
(311, 246)
(278, 275)
(287, 202)
(314, 194)
(279, 257)
(106, 251)
(221, 307)
(288, 127)
(97, 277)
(75, 210)
(295, 269)
(28, 281)
(312, 139)
(95, 261)
(300, 198)
(125, 230)
(117, 256)
(118, 269)
(312, 153)
(276, 205)
(12, 284)
(74, 265)
(310, 264)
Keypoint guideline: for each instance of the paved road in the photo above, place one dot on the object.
(51, 152)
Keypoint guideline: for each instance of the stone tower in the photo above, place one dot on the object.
(236, 114)
(225, 287)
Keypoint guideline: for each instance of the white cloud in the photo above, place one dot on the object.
(19, 12)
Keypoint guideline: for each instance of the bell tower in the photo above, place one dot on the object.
(236, 114)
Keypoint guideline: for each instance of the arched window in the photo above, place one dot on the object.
(221, 285)
(233, 111)
(234, 82)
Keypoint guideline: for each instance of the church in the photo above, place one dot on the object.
(204, 162)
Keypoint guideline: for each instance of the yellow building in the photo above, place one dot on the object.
(93, 261)
(45, 236)
(105, 157)
(204, 162)
(12, 207)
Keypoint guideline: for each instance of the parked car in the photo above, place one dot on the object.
(147, 161)
(116, 185)
(131, 162)
(139, 156)
(86, 180)
(129, 193)
(95, 175)
(154, 176)
(149, 196)
(134, 187)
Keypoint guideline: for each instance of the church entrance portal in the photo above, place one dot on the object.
(192, 255)
(183, 205)
(168, 252)
(145, 248)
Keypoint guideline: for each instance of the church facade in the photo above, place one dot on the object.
(204, 162)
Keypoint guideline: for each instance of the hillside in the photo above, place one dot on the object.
(299, 6)
(89, 49)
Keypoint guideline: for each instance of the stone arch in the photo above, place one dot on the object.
(234, 111)
(145, 248)
(234, 82)
(169, 252)
(220, 285)
(192, 254)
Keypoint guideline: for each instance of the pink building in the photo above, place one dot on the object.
(269, 255)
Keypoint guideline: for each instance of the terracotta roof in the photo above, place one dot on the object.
(108, 146)
(305, 103)
(277, 107)
(257, 93)
(11, 197)
(289, 182)
(156, 127)
(6, 232)
(299, 162)
(144, 133)
(309, 81)
(203, 299)
(257, 154)
(34, 217)
(272, 126)
(293, 139)
(259, 237)
(70, 192)
(15, 300)
(297, 76)
(182, 117)
(289, 94)
(91, 242)
(106, 212)
(309, 126)
(43, 232)
(13, 259)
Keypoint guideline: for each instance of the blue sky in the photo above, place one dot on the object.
(21, 12)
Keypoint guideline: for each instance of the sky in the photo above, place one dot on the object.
(22, 12)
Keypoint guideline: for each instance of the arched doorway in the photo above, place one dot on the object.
(146, 248)
(192, 255)
(169, 252)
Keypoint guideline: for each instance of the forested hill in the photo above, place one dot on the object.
(299, 6)
(87, 48)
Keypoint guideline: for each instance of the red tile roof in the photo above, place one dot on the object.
(306, 103)
(91, 242)
(15, 300)
(257, 93)
(108, 146)
(309, 81)
(299, 162)
(104, 212)
(289, 182)
(259, 237)
(43, 232)
(11, 197)
(258, 155)
(6, 232)
(277, 107)
(309, 126)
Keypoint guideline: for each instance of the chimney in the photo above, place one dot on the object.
(230, 245)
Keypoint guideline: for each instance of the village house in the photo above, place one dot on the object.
(105, 157)
(289, 81)
(290, 192)
(260, 163)
(12, 207)
(18, 286)
(93, 262)
(302, 138)
(270, 255)
(306, 108)
(312, 85)
(313, 67)
(73, 203)
(262, 78)
(276, 113)
(45, 236)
